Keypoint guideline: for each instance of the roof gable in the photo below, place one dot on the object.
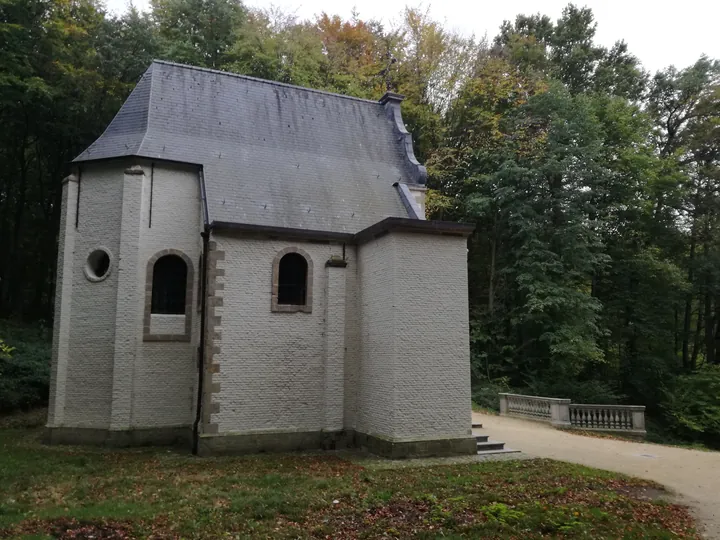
(272, 154)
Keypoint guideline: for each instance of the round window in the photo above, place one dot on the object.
(98, 265)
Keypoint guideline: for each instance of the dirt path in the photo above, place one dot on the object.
(692, 474)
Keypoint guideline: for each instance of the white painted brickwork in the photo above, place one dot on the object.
(63, 300)
(335, 283)
(384, 351)
(376, 371)
(352, 338)
(104, 374)
(166, 371)
(272, 365)
(432, 392)
(414, 380)
(167, 324)
(92, 327)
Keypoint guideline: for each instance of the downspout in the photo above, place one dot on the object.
(203, 310)
(201, 347)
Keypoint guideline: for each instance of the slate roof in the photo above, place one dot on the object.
(272, 154)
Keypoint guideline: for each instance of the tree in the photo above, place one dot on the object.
(198, 32)
(566, 51)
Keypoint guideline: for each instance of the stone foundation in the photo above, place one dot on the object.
(414, 449)
(253, 443)
(168, 436)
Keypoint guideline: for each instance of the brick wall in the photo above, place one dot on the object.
(414, 376)
(432, 391)
(88, 386)
(384, 349)
(271, 368)
(104, 374)
(166, 371)
(376, 376)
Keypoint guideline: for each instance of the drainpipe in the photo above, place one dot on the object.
(201, 347)
(203, 309)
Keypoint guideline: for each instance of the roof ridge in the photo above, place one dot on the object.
(266, 81)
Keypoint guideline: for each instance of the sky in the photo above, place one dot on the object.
(658, 32)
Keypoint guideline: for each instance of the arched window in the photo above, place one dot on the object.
(292, 280)
(169, 285)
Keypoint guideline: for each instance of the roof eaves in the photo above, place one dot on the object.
(395, 224)
(282, 232)
(391, 224)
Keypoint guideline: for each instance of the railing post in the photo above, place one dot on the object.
(560, 412)
(503, 405)
(638, 419)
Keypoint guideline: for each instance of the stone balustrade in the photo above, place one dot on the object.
(553, 410)
(562, 413)
(628, 418)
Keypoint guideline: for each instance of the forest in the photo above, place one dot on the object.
(594, 268)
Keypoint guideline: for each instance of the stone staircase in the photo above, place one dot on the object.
(485, 446)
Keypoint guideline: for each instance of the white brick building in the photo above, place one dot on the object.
(245, 266)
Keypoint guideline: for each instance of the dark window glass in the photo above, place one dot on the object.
(292, 282)
(168, 286)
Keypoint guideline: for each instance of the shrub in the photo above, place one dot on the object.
(692, 406)
(590, 391)
(24, 366)
(485, 392)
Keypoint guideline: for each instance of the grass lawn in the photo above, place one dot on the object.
(68, 492)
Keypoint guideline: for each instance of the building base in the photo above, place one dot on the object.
(415, 449)
(253, 443)
(180, 436)
(277, 441)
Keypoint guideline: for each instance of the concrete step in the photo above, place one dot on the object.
(493, 452)
(490, 445)
(482, 438)
(477, 425)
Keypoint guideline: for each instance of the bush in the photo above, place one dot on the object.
(24, 366)
(692, 406)
(592, 391)
(485, 392)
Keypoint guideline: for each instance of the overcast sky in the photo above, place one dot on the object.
(659, 32)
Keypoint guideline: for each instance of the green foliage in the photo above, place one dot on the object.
(692, 408)
(502, 513)
(485, 391)
(85, 492)
(24, 367)
(5, 351)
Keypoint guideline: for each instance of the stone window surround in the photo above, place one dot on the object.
(147, 335)
(291, 308)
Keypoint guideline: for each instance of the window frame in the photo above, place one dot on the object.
(178, 287)
(147, 333)
(277, 307)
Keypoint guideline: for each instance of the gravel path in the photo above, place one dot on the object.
(693, 475)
